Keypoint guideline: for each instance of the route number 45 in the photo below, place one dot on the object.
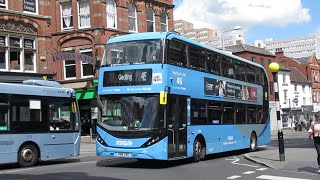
(179, 80)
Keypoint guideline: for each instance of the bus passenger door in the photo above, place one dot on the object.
(177, 126)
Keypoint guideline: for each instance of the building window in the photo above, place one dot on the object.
(69, 68)
(3, 53)
(3, 4)
(295, 87)
(29, 55)
(66, 14)
(84, 14)
(132, 17)
(29, 6)
(86, 68)
(17, 54)
(269, 61)
(315, 75)
(262, 62)
(285, 94)
(163, 22)
(150, 20)
(111, 14)
(303, 88)
(284, 78)
(254, 59)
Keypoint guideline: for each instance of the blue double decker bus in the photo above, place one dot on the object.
(165, 97)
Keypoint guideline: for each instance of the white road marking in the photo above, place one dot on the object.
(261, 169)
(235, 160)
(278, 178)
(233, 177)
(249, 172)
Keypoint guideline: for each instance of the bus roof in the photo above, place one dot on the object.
(37, 88)
(172, 35)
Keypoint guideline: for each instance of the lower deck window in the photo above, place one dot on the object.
(217, 112)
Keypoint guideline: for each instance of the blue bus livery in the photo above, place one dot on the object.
(39, 120)
(165, 97)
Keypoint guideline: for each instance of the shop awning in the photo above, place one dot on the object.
(86, 94)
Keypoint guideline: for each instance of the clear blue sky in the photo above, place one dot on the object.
(260, 19)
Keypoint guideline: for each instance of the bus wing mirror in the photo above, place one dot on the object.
(163, 97)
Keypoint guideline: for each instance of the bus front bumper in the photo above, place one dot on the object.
(157, 151)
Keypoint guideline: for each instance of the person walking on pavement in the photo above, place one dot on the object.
(314, 133)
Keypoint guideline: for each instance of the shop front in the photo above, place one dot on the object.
(290, 116)
(86, 94)
(87, 99)
(294, 117)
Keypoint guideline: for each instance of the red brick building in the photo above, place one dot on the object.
(33, 32)
(310, 68)
(24, 33)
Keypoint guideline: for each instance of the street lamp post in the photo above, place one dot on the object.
(222, 35)
(274, 69)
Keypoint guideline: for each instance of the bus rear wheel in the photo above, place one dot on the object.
(253, 142)
(28, 155)
(197, 149)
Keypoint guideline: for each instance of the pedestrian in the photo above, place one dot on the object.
(295, 125)
(314, 132)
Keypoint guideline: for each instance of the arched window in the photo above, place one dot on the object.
(132, 17)
(163, 21)
(111, 14)
(150, 20)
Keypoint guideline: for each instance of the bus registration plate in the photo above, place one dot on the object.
(121, 154)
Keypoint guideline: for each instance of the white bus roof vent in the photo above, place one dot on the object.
(42, 83)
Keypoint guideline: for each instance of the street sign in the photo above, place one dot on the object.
(295, 100)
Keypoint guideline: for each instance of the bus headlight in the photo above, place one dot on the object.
(101, 141)
(152, 141)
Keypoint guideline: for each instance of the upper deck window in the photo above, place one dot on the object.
(227, 65)
(177, 53)
(135, 52)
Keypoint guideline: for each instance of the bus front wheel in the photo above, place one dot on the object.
(197, 148)
(28, 155)
(253, 142)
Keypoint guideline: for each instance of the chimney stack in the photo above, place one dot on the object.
(279, 53)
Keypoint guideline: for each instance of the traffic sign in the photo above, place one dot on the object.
(295, 100)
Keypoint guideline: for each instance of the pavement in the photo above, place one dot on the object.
(87, 145)
(300, 154)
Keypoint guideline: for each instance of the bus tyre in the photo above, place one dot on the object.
(197, 147)
(253, 142)
(28, 155)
